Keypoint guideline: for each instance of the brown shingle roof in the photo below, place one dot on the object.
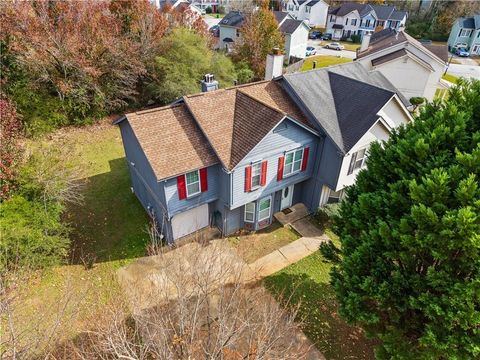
(171, 140)
(236, 119)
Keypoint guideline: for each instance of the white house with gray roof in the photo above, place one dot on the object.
(295, 32)
(465, 33)
(313, 12)
(358, 19)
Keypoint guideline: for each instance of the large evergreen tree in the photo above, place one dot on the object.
(408, 270)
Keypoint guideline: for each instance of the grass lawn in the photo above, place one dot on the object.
(349, 45)
(323, 61)
(450, 78)
(111, 225)
(252, 246)
(440, 93)
(307, 283)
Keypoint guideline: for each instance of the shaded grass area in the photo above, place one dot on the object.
(254, 245)
(110, 227)
(306, 283)
(323, 61)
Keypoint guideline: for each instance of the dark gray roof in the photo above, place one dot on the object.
(347, 8)
(336, 95)
(289, 26)
(280, 15)
(233, 18)
(477, 21)
(313, 2)
(467, 23)
(383, 11)
(398, 15)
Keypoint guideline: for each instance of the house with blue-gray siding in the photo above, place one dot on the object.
(231, 158)
(465, 33)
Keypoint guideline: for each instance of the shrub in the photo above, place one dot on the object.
(33, 235)
(208, 10)
(356, 39)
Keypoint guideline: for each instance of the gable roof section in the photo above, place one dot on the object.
(289, 26)
(161, 130)
(241, 117)
(280, 16)
(233, 18)
(383, 11)
(356, 113)
(467, 23)
(398, 15)
(347, 8)
(398, 54)
(477, 21)
(389, 37)
(335, 96)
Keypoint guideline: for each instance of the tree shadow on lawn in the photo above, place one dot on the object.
(111, 224)
(318, 315)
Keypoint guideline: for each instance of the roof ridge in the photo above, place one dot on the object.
(262, 102)
(155, 109)
(362, 82)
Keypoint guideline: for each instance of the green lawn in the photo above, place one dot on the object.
(450, 78)
(323, 61)
(440, 94)
(307, 283)
(110, 226)
(349, 45)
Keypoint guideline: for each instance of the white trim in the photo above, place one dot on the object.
(269, 208)
(199, 184)
(245, 212)
(293, 172)
(254, 187)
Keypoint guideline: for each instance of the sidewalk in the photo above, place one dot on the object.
(286, 255)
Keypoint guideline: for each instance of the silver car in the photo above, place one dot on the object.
(335, 46)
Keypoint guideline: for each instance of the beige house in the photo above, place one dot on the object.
(415, 69)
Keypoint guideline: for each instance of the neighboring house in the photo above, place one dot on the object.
(294, 31)
(465, 33)
(357, 19)
(415, 69)
(313, 12)
(201, 5)
(264, 147)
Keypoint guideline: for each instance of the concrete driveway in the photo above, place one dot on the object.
(466, 71)
(211, 21)
(319, 46)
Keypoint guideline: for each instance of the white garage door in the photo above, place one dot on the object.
(190, 221)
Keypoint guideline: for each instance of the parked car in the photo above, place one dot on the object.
(311, 51)
(327, 37)
(315, 35)
(462, 52)
(215, 30)
(335, 46)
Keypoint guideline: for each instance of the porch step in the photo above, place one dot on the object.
(293, 213)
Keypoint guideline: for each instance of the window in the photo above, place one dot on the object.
(332, 18)
(256, 174)
(367, 23)
(290, 7)
(264, 209)
(293, 162)
(346, 21)
(465, 33)
(334, 196)
(353, 22)
(250, 212)
(381, 23)
(193, 183)
(238, 32)
(358, 160)
(307, 9)
(297, 7)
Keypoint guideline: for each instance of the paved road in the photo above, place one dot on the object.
(319, 45)
(467, 71)
(211, 21)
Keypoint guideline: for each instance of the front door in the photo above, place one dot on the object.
(287, 196)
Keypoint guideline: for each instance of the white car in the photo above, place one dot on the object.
(311, 51)
(335, 46)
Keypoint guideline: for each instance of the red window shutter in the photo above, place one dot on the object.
(203, 179)
(281, 161)
(263, 176)
(182, 187)
(248, 179)
(306, 152)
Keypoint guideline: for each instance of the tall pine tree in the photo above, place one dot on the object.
(408, 270)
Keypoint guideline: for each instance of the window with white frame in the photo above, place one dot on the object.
(256, 174)
(193, 183)
(250, 212)
(297, 7)
(290, 7)
(358, 160)
(264, 208)
(465, 33)
(353, 22)
(293, 162)
(307, 9)
(333, 18)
